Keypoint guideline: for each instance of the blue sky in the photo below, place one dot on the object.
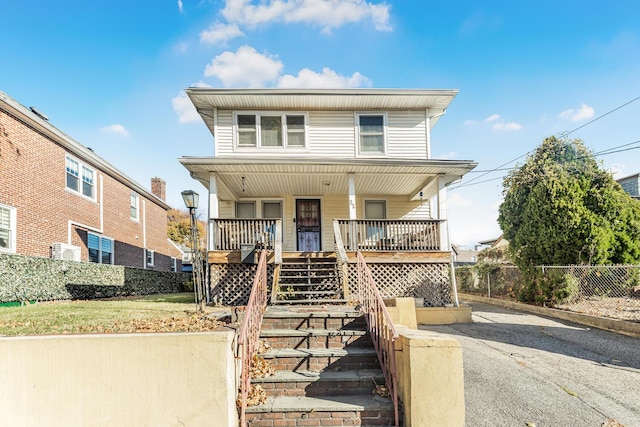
(111, 75)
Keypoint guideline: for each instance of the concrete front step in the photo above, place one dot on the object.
(339, 410)
(312, 317)
(315, 301)
(316, 338)
(322, 359)
(314, 384)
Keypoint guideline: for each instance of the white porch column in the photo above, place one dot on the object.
(214, 209)
(442, 215)
(352, 196)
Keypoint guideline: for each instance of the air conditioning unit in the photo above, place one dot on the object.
(66, 252)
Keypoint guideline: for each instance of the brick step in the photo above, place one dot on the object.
(308, 284)
(315, 384)
(322, 359)
(313, 317)
(316, 338)
(339, 410)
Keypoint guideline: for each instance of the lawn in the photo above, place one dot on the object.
(152, 313)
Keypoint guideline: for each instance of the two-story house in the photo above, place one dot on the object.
(316, 175)
(59, 199)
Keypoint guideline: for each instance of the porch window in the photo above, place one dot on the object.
(245, 210)
(371, 133)
(375, 209)
(100, 249)
(271, 130)
(272, 210)
(7, 229)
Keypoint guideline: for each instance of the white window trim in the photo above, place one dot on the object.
(255, 208)
(153, 257)
(100, 239)
(12, 229)
(137, 217)
(385, 125)
(174, 264)
(364, 207)
(259, 147)
(80, 178)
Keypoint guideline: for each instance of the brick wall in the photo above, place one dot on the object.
(33, 180)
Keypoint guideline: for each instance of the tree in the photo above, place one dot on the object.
(179, 228)
(560, 208)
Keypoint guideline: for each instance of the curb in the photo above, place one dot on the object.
(623, 327)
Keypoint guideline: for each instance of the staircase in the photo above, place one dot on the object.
(309, 278)
(326, 370)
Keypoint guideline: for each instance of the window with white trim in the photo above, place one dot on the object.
(245, 210)
(135, 207)
(7, 229)
(100, 248)
(150, 255)
(371, 133)
(271, 130)
(174, 264)
(80, 178)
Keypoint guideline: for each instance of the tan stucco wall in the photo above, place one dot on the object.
(430, 379)
(443, 315)
(118, 380)
(402, 311)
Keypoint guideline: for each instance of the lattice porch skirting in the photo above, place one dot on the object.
(230, 284)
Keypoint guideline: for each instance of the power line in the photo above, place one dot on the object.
(599, 117)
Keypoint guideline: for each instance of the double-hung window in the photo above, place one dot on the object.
(271, 130)
(371, 133)
(80, 178)
(150, 256)
(135, 207)
(7, 229)
(100, 249)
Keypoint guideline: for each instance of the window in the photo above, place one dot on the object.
(371, 131)
(150, 255)
(100, 249)
(245, 210)
(86, 187)
(375, 209)
(7, 229)
(174, 264)
(272, 210)
(271, 130)
(135, 203)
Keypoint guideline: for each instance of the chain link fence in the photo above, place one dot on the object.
(604, 291)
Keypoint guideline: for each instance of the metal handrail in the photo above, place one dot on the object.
(249, 337)
(383, 332)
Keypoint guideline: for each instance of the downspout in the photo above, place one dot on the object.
(144, 234)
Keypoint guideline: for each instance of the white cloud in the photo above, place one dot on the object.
(507, 126)
(180, 6)
(457, 201)
(583, 113)
(447, 156)
(618, 171)
(492, 118)
(115, 129)
(470, 122)
(327, 79)
(328, 14)
(220, 33)
(181, 47)
(184, 108)
(244, 68)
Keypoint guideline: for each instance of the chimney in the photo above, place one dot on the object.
(159, 188)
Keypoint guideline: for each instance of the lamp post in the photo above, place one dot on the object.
(191, 199)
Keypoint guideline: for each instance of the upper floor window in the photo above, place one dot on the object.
(80, 178)
(7, 229)
(100, 248)
(135, 205)
(371, 133)
(271, 130)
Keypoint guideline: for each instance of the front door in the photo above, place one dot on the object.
(308, 225)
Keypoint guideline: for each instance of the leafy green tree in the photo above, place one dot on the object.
(179, 228)
(561, 208)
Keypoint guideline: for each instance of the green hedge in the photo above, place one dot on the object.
(25, 278)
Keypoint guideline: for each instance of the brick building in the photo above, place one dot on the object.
(59, 199)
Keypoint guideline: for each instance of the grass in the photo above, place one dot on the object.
(152, 313)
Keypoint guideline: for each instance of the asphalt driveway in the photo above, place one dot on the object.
(522, 369)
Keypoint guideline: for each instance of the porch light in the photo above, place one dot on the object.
(191, 199)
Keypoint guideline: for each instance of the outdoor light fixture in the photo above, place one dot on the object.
(191, 199)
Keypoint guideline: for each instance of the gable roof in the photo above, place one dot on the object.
(207, 100)
(32, 117)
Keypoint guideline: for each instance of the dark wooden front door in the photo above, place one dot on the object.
(308, 225)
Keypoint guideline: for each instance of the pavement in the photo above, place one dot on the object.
(525, 369)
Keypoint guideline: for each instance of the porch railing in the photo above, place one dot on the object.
(232, 234)
(248, 339)
(383, 332)
(390, 234)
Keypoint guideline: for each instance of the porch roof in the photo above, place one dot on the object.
(264, 177)
(206, 100)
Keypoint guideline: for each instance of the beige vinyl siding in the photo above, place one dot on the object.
(406, 135)
(332, 134)
(224, 138)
